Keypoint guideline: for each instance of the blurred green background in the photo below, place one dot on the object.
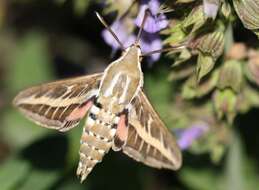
(45, 40)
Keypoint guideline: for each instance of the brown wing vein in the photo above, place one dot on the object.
(49, 105)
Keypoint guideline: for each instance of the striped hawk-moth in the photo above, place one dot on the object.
(118, 114)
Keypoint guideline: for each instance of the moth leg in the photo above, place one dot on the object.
(121, 134)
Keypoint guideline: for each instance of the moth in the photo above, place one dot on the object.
(118, 113)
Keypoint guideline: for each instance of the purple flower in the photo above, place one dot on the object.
(123, 33)
(150, 42)
(189, 135)
(210, 8)
(150, 39)
(155, 21)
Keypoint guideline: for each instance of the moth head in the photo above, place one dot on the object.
(131, 56)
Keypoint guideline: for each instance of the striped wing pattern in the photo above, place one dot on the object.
(149, 141)
(59, 105)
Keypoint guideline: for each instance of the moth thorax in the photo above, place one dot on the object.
(111, 106)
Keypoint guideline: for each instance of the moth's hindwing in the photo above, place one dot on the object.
(149, 141)
(59, 105)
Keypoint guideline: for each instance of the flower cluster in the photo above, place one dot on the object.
(187, 136)
(150, 39)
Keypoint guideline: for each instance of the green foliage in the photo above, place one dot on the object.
(160, 97)
(30, 63)
(81, 6)
(231, 76)
(34, 179)
(10, 168)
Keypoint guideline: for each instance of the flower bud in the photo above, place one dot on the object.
(225, 104)
(248, 13)
(231, 76)
(211, 44)
(194, 20)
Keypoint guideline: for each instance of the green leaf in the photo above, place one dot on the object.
(184, 55)
(199, 179)
(74, 137)
(194, 20)
(193, 90)
(158, 89)
(30, 64)
(19, 131)
(81, 6)
(176, 34)
(188, 91)
(205, 64)
(12, 173)
(120, 7)
(234, 178)
(181, 72)
(240, 171)
(40, 180)
(226, 9)
(225, 102)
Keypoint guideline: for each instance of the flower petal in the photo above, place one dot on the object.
(122, 32)
(190, 134)
(119, 30)
(150, 42)
(155, 21)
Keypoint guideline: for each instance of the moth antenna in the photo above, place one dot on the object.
(176, 48)
(172, 48)
(109, 29)
(142, 26)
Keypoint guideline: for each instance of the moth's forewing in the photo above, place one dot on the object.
(149, 141)
(59, 105)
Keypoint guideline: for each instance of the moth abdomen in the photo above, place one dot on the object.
(96, 140)
(93, 147)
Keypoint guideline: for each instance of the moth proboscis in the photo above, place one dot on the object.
(118, 114)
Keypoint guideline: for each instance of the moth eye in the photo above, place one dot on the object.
(97, 104)
(114, 126)
(92, 116)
